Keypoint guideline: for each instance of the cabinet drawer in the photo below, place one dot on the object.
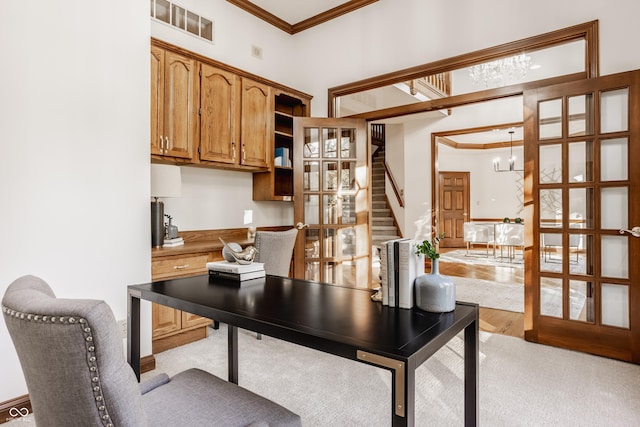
(176, 267)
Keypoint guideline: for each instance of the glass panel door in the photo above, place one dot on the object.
(331, 200)
(582, 197)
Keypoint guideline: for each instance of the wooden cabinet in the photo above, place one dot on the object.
(209, 114)
(277, 184)
(235, 125)
(219, 115)
(256, 119)
(173, 101)
(171, 327)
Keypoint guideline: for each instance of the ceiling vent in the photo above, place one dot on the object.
(181, 18)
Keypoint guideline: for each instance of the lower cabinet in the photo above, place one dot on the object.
(170, 327)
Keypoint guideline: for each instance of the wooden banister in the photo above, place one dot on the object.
(377, 133)
(394, 185)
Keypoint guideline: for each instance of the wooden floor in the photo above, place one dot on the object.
(491, 320)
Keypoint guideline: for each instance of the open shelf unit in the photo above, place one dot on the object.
(277, 184)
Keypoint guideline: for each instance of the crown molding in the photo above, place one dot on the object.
(318, 19)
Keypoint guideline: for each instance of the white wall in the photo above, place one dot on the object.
(74, 180)
(213, 199)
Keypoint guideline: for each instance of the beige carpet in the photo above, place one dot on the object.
(521, 384)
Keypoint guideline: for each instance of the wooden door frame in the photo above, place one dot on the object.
(587, 31)
(435, 171)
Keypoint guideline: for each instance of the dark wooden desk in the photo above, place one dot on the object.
(333, 319)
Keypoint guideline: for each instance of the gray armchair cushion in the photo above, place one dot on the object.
(210, 395)
(73, 362)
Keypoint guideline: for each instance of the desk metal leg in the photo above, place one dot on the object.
(471, 371)
(133, 331)
(403, 390)
(232, 353)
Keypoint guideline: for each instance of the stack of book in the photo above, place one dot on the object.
(232, 271)
(168, 243)
(399, 267)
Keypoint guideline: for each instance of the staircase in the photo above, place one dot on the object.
(382, 223)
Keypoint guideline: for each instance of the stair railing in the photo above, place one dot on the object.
(398, 192)
(377, 133)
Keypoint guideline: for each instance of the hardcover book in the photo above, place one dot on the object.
(238, 277)
(234, 267)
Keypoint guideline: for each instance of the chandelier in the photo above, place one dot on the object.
(512, 160)
(501, 71)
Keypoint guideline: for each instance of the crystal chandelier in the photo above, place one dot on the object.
(512, 160)
(501, 71)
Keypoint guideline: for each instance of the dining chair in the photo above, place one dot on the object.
(72, 358)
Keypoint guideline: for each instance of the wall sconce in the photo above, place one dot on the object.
(166, 181)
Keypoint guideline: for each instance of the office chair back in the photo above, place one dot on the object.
(72, 358)
(275, 249)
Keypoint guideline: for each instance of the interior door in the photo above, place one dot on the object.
(453, 189)
(331, 201)
(582, 196)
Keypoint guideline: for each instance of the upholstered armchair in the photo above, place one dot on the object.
(73, 361)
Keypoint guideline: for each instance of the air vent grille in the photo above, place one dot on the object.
(181, 18)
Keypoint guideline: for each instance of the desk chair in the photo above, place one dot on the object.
(73, 362)
(275, 249)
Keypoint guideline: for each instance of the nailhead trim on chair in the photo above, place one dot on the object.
(91, 357)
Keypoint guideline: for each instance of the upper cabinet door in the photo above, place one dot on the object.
(257, 119)
(179, 112)
(219, 115)
(174, 93)
(157, 100)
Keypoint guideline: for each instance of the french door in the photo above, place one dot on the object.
(331, 201)
(582, 199)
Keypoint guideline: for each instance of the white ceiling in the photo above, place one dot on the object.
(294, 11)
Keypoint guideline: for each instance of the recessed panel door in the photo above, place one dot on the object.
(582, 198)
(453, 188)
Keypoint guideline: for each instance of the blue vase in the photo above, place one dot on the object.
(434, 292)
